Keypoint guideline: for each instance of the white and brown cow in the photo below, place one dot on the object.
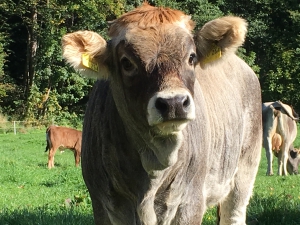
(63, 138)
(168, 130)
(279, 125)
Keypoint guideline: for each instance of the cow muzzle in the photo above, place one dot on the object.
(170, 111)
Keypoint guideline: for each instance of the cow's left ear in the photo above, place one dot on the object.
(220, 37)
(86, 51)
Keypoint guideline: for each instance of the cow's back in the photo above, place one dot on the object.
(65, 137)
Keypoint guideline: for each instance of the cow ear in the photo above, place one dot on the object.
(86, 51)
(220, 37)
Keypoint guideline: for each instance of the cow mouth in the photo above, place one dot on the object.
(171, 127)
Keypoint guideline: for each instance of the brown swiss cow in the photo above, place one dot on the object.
(62, 138)
(173, 126)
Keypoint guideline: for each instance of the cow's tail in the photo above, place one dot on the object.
(48, 146)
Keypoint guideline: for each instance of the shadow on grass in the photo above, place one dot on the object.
(45, 216)
(274, 210)
(49, 184)
(46, 165)
(270, 210)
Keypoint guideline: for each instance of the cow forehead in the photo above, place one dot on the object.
(168, 44)
(148, 16)
(157, 35)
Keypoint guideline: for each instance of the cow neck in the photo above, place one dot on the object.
(155, 181)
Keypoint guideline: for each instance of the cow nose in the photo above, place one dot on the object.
(175, 107)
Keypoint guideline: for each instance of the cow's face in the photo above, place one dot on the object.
(154, 70)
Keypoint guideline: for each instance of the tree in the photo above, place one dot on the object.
(39, 25)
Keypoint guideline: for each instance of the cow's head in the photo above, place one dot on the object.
(293, 160)
(150, 63)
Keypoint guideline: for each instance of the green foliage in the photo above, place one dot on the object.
(201, 11)
(249, 59)
(54, 19)
(271, 48)
(283, 82)
(50, 109)
(2, 57)
(4, 87)
(69, 89)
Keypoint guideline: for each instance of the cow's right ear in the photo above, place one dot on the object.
(219, 37)
(86, 51)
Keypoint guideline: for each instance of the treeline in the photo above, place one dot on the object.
(36, 83)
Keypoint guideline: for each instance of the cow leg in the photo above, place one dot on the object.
(77, 157)
(285, 161)
(282, 161)
(269, 129)
(100, 215)
(269, 155)
(51, 157)
(233, 208)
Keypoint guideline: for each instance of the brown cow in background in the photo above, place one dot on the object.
(62, 138)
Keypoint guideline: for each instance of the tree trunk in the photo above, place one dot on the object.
(31, 51)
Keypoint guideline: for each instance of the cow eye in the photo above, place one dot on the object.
(192, 59)
(127, 65)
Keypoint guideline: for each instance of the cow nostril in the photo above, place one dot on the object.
(161, 104)
(186, 102)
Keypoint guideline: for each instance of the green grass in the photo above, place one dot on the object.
(30, 194)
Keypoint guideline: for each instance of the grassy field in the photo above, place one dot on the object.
(30, 194)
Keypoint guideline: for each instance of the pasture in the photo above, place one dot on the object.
(30, 194)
